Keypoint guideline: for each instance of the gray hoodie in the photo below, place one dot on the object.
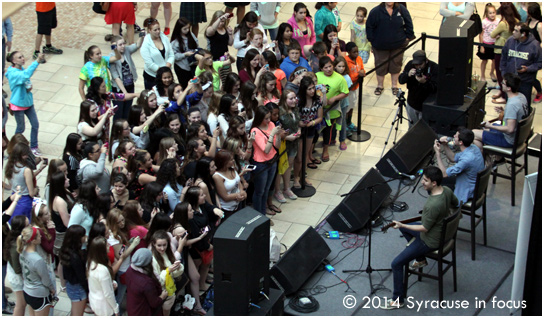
(95, 171)
(266, 11)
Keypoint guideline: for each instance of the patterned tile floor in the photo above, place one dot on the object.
(57, 100)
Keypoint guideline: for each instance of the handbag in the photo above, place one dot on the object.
(477, 20)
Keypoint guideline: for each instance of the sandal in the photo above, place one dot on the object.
(395, 90)
(378, 91)
(325, 159)
(311, 165)
(199, 311)
(316, 161)
(274, 208)
(343, 146)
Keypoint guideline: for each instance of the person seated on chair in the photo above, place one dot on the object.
(421, 78)
(460, 177)
(426, 236)
(503, 134)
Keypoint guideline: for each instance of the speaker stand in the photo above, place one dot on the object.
(369, 270)
(305, 191)
(401, 102)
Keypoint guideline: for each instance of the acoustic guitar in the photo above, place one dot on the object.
(499, 118)
(407, 221)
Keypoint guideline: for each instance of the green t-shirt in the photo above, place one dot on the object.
(435, 210)
(336, 84)
(217, 65)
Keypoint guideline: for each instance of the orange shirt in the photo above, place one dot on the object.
(354, 68)
(44, 6)
(261, 140)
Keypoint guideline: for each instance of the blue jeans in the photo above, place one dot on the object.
(30, 113)
(416, 250)
(262, 183)
(121, 290)
(4, 113)
(272, 34)
(75, 292)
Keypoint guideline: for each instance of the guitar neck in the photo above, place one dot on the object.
(414, 219)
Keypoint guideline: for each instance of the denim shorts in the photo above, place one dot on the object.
(75, 292)
(495, 138)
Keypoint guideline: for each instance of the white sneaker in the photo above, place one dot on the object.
(36, 151)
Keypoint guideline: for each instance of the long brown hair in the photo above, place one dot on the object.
(16, 159)
(37, 220)
(132, 217)
(112, 220)
(162, 235)
(98, 254)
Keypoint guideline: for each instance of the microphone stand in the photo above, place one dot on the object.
(369, 268)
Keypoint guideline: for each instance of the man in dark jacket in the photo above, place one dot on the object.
(421, 78)
(522, 55)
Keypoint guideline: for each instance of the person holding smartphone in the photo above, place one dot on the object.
(228, 184)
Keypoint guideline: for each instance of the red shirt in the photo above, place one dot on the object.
(44, 6)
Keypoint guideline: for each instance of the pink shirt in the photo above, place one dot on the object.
(301, 38)
(261, 139)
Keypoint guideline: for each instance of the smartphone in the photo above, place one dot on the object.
(183, 235)
(114, 108)
(142, 34)
(272, 45)
(122, 250)
(54, 301)
(107, 144)
(251, 167)
(205, 229)
(230, 15)
(267, 67)
(45, 160)
(194, 80)
(334, 40)
(113, 46)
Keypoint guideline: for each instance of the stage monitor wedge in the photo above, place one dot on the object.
(409, 152)
(355, 211)
(241, 262)
(299, 262)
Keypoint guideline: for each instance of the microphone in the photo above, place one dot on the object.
(409, 176)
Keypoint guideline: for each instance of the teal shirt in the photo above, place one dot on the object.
(323, 17)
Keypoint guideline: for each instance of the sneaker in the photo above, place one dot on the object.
(538, 98)
(166, 31)
(392, 304)
(352, 127)
(51, 50)
(416, 265)
(36, 152)
(35, 55)
(290, 194)
(279, 196)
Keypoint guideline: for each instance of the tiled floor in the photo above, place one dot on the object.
(57, 100)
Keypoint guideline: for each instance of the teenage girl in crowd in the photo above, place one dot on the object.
(241, 35)
(230, 188)
(72, 259)
(123, 72)
(269, 58)
(302, 26)
(72, 155)
(489, 23)
(323, 17)
(251, 69)
(96, 65)
(184, 44)
(267, 89)
(21, 101)
(340, 67)
(20, 175)
(156, 51)
(220, 37)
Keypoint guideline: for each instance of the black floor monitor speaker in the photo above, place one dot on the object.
(445, 120)
(455, 51)
(408, 153)
(299, 262)
(355, 211)
(241, 262)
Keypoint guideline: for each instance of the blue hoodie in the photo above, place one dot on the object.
(516, 53)
(17, 78)
(288, 67)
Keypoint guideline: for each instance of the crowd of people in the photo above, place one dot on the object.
(203, 140)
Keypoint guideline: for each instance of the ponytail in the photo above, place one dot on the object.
(27, 235)
(87, 55)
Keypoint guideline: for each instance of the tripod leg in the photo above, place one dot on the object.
(390, 130)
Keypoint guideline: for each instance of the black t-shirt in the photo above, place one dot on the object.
(219, 44)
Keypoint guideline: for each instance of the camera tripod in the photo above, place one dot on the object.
(401, 102)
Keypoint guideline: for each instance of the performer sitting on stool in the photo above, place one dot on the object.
(426, 235)
(460, 177)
